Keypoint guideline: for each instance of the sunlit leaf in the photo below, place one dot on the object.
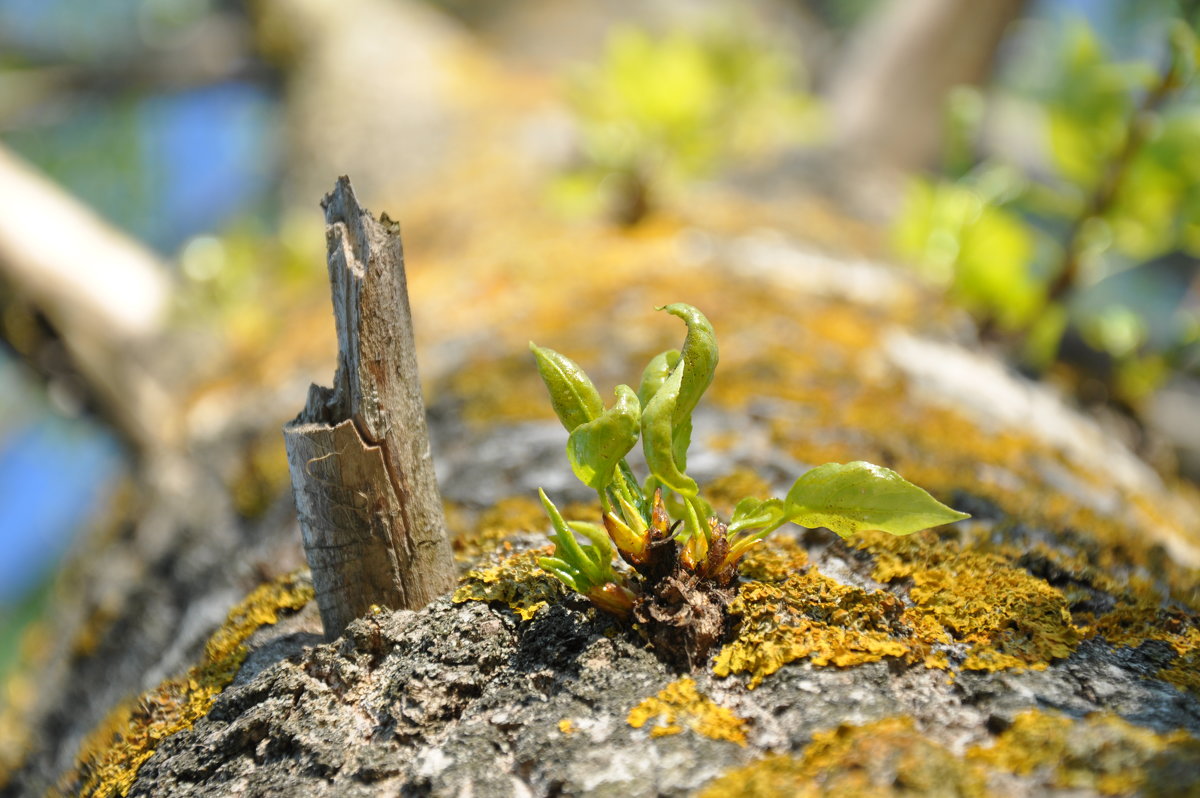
(586, 569)
(852, 497)
(656, 373)
(574, 397)
(751, 513)
(658, 432)
(594, 448)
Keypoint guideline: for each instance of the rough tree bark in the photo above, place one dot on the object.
(359, 455)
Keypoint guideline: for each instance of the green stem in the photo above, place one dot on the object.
(630, 490)
(693, 517)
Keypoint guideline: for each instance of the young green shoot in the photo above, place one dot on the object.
(693, 558)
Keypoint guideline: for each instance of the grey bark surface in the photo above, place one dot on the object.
(359, 453)
(467, 699)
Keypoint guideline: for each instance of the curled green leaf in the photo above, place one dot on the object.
(585, 568)
(572, 394)
(751, 513)
(658, 432)
(594, 448)
(656, 373)
(699, 357)
(857, 496)
(667, 411)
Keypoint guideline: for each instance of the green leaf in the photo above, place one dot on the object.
(601, 550)
(857, 496)
(751, 513)
(699, 358)
(667, 412)
(561, 570)
(586, 568)
(574, 397)
(595, 447)
(656, 373)
(658, 430)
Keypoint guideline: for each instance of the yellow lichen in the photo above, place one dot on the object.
(517, 581)
(109, 758)
(505, 518)
(1102, 752)
(1009, 618)
(725, 492)
(567, 726)
(774, 560)
(810, 615)
(1131, 625)
(887, 758)
(680, 705)
(891, 757)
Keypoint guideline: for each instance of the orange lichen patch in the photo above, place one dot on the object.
(1130, 625)
(680, 705)
(1102, 753)
(1009, 618)
(506, 517)
(109, 758)
(725, 492)
(517, 581)
(567, 726)
(773, 560)
(887, 758)
(810, 615)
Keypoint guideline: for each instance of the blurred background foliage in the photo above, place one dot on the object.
(1082, 255)
(657, 112)
(1063, 212)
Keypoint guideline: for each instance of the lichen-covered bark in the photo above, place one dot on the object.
(473, 696)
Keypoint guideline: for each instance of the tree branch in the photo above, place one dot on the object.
(359, 453)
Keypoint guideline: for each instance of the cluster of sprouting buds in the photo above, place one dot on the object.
(845, 498)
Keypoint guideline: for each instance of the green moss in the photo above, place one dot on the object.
(110, 756)
(680, 705)
(516, 581)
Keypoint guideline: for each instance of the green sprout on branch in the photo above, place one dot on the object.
(680, 570)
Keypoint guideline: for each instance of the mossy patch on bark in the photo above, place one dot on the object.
(517, 581)
(680, 706)
(109, 758)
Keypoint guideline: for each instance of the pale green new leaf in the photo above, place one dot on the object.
(575, 399)
(595, 447)
(751, 513)
(658, 430)
(667, 409)
(656, 373)
(586, 568)
(699, 358)
(858, 496)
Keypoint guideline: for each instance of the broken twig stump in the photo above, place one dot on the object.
(359, 454)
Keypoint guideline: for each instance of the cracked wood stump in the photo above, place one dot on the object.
(362, 473)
